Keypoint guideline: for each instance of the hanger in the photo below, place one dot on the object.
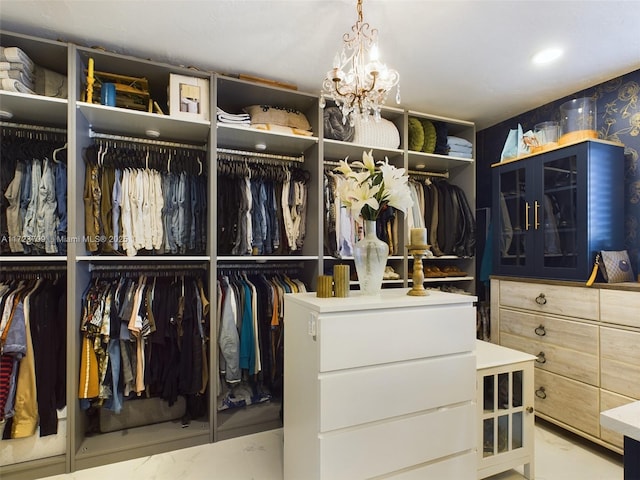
(57, 151)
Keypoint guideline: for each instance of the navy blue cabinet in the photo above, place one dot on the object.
(553, 211)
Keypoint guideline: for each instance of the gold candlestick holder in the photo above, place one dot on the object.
(418, 252)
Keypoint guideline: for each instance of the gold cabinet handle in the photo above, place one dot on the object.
(529, 409)
(526, 215)
(535, 215)
(540, 358)
(541, 299)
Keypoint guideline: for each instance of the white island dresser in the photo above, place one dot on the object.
(380, 386)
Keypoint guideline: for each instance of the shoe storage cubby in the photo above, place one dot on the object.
(213, 150)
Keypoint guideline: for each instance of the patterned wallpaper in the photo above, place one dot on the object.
(618, 111)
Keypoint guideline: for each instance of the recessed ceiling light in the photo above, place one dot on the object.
(6, 114)
(547, 55)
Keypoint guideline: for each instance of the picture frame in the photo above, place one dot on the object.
(188, 97)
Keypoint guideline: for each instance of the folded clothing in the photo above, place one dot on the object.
(454, 153)
(224, 117)
(453, 140)
(12, 85)
(16, 55)
(21, 67)
(335, 127)
(26, 80)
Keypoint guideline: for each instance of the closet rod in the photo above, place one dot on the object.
(147, 268)
(158, 143)
(270, 156)
(330, 163)
(428, 174)
(37, 128)
(33, 268)
(260, 266)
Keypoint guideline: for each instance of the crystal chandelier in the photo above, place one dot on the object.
(359, 82)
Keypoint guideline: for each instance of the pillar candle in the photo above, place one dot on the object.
(341, 280)
(325, 286)
(418, 236)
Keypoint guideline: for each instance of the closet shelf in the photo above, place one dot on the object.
(438, 163)
(264, 258)
(338, 150)
(122, 121)
(35, 109)
(240, 137)
(33, 258)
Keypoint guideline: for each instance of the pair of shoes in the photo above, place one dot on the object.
(390, 274)
(453, 271)
(431, 271)
(231, 401)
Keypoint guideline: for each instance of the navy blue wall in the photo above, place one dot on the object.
(618, 109)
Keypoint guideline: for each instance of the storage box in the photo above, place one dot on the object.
(50, 83)
(188, 97)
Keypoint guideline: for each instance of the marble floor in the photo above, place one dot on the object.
(559, 456)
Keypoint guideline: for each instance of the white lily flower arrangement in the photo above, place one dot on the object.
(369, 190)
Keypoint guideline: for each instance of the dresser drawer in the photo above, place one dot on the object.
(609, 400)
(568, 401)
(559, 299)
(399, 444)
(570, 363)
(620, 307)
(353, 397)
(620, 361)
(550, 330)
(376, 337)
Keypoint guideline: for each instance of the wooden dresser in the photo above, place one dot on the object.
(585, 340)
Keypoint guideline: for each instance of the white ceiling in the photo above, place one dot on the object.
(467, 59)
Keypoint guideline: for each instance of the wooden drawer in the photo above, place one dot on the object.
(609, 400)
(353, 397)
(620, 361)
(559, 299)
(385, 336)
(568, 401)
(620, 307)
(580, 366)
(547, 329)
(394, 445)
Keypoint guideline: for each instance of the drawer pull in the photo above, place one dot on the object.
(541, 300)
(529, 409)
(540, 393)
(540, 331)
(541, 358)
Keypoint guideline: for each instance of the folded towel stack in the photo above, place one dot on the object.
(16, 71)
(459, 147)
(234, 118)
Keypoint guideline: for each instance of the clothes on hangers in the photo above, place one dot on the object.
(136, 203)
(143, 336)
(342, 230)
(250, 338)
(261, 208)
(33, 359)
(33, 180)
(446, 214)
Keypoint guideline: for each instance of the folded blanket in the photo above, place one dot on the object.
(20, 76)
(460, 148)
(12, 85)
(14, 54)
(453, 153)
(453, 140)
(334, 127)
(15, 66)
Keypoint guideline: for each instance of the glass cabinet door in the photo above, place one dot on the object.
(557, 212)
(514, 218)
